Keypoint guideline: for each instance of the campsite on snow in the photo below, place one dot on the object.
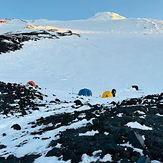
(85, 91)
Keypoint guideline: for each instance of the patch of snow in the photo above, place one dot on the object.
(82, 115)
(135, 149)
(106, 158)
(106, 133)
(53, 159)
(96, 152)
(89, 133)
(87, 159)
(140, 112)
(154, 161)
(138, 126)
(58, 145)
(143, 116)
(107, 16)
(120, 115)
(48, 28)
(159, 115)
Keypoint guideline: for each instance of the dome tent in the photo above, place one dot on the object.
(85, 92)
(107, 94)
(31, 83)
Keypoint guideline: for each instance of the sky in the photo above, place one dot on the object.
(79, 9)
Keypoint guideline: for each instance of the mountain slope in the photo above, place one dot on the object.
(51, 123)
(109, 54)
(107, 16)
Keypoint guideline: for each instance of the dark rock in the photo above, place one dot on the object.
(160, 105)
(67, 33)
(11, 42)
(2, 146)
(52, 102)
(113, 103)
(16, 98)
(135, 87)
(132, 101)
(57, 100)
(143, 159)
(28, 158)
(12, 159)
(4, 134)
(78, 102)
(53, 143)
(2, 160)
(136, 140)
(53, 152)
(16, 127)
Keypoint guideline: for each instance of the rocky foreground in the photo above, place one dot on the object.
(33, 127)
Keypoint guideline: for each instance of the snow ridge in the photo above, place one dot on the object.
(107, 16)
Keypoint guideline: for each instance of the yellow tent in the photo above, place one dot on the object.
(107, 94)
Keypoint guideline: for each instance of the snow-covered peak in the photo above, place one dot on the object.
(107, 16)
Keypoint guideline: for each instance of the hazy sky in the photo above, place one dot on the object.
(79, 9)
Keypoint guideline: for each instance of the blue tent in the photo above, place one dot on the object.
(85, 92)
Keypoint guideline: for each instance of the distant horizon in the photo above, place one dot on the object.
(78, 18)
(81, 9)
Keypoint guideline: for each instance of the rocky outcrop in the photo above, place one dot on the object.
(17, 98)
(14, 41)
(113, 134)
(127, 131)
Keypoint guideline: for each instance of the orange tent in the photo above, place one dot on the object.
(32, 83)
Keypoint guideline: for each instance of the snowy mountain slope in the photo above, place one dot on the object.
(108, 16)
(109, 54)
